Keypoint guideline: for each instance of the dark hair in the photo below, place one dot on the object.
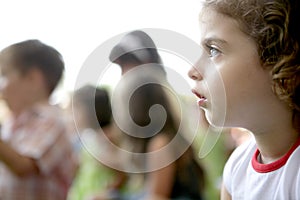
(143, 99)
(274, 26)
(96, 103)
(35, 54)
(190, 178)
(136, 48)
(131, 58)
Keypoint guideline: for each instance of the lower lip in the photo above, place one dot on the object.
(202, 102)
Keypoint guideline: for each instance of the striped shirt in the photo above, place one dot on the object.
(40, 134)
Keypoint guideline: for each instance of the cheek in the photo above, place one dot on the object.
(13, 91)
(3, 83)
(225, 84)
(217, 109)
(7, 89)
(244, 87)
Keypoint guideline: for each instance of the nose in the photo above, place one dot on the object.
(195, 74)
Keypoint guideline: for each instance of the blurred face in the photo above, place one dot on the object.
(230, 83)
(14, 89)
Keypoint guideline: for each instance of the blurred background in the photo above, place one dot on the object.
(76, 28)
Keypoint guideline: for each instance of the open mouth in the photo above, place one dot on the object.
(200, 96)
(202, 99)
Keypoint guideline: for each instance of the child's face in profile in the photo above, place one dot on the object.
(229, 77)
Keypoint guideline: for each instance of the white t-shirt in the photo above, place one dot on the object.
(245, 178)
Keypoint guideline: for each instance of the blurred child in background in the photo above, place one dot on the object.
(94, 126)
(36, 157)
(144, 80)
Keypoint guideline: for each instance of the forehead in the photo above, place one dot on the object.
(10, 61)
(216, 25)
(6, 68)
(6, 60)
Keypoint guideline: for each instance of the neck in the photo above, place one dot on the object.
(26, 106)
(273, 129)
(275, 143)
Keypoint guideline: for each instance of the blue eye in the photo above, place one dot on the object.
(213, 52)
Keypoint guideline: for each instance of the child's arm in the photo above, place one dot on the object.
(160, 181)
(119, 181)
(18, 164)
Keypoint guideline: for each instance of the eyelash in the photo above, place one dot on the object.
(210, 49)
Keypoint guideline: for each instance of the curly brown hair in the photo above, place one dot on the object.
(272, 24)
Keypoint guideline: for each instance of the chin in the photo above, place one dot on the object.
(215, 120)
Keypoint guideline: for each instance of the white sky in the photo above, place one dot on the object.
(76, 28)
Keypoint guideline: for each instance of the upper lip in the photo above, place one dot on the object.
(200, 96)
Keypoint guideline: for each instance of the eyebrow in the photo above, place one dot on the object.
(212, 40)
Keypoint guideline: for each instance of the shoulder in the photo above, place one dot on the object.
(238, 162)
(296, 164)
(50, 116)
(50, 111)
(246, 151)
(295, 157)
(293, 164)
(242, 151)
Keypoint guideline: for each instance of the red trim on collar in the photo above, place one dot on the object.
(265, 168)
